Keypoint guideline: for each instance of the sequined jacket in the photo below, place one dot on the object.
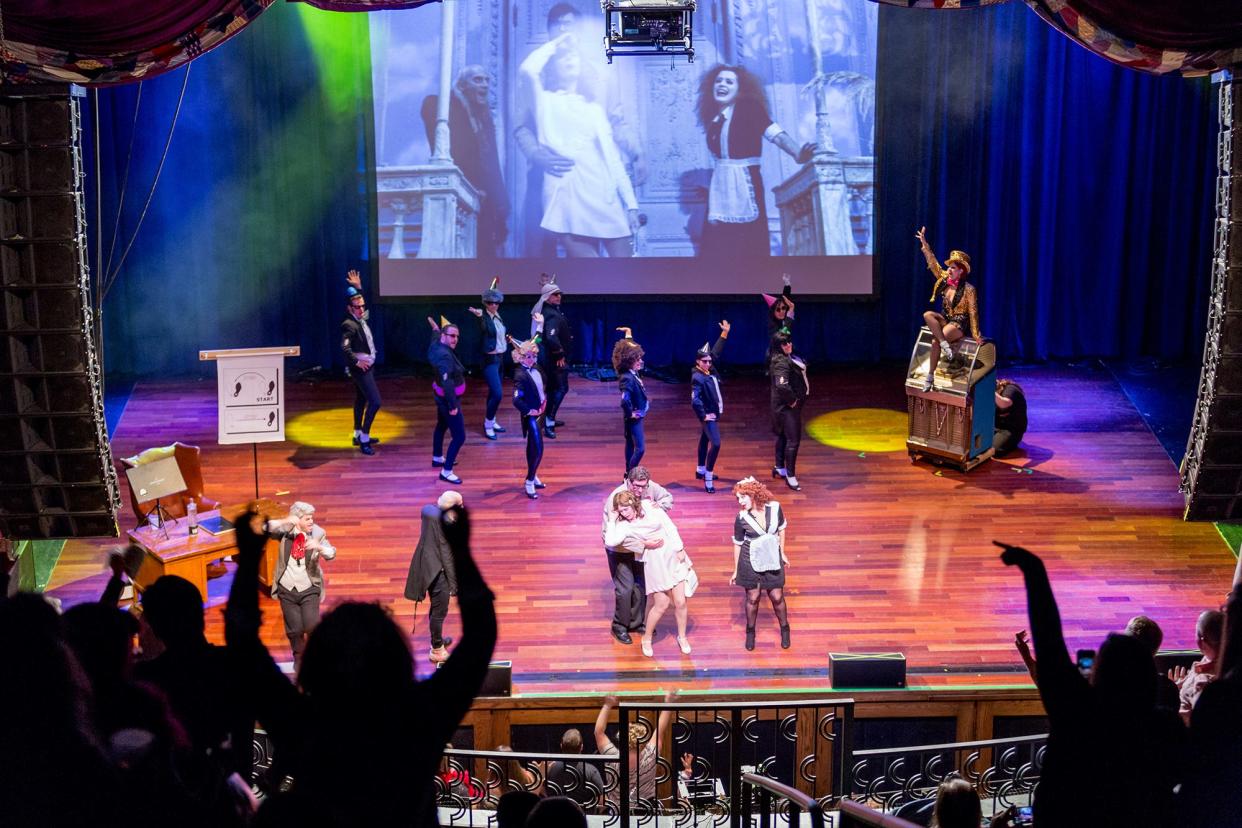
(965, 300)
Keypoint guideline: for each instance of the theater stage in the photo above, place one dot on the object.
(885, 555)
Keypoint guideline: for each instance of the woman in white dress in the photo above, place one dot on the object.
(593, 203)
(668, 571)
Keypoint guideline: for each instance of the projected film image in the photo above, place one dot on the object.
(532, 152)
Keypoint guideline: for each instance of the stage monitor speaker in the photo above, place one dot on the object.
(1211, 471)
(866, 670)
(499, 679)
(56, 474)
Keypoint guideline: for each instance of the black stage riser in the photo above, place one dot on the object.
(56, 473)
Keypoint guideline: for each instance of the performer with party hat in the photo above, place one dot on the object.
(780, 308)
(554, 351)
(530, 399)
(448, 386)
(959, 304)
(494, 337)
(708, 404)
(627, 360)
(358, 346)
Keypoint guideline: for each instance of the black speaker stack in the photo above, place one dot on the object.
(56, 474)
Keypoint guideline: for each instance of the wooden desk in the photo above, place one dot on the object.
(187, 555)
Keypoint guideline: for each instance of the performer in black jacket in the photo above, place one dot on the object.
(358, 346)
(708, 404)
(530, 399)
(554, 354)
(449, 385)
(495, 337)
(780, 309)
(432, 572)
(790, 387)
(627, 360)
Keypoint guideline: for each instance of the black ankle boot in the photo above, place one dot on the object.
(785, 637)
(750, 638)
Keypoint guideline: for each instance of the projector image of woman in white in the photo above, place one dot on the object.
(592, 205)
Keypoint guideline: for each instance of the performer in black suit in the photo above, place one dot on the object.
(780, 309)
(554, 354)
(358, 346)
(530, 399)
(708, 404)
(495, 337)
(790, 388)
(448, 386)
(627, 359)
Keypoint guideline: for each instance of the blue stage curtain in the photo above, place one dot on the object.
(1082, 191)
(262, 205)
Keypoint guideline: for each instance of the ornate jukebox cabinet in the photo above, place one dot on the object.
(953, 423)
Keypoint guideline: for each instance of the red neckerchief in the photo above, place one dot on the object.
(299, 548)
(953, 283)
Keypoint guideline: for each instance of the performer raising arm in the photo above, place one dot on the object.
(708, 404)
(959, 304)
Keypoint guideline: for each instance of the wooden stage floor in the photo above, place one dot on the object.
(885, 555)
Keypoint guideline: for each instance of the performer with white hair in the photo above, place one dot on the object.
(298, 580)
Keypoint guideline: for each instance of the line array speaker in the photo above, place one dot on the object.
(56, 474)
(1211, 471)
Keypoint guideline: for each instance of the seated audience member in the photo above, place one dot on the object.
(580, 781)
(1190, 683)
(513, 808)
(556, 812)
(363, 738)
(1107, 729)
(1211, 795)
(957, 806)
(1010, 417)
(202, 681)
(1148, 631)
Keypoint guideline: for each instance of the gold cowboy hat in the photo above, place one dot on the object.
(959, 258)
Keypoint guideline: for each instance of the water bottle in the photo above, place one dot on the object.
(191, 514)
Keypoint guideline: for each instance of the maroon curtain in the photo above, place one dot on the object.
(101, 42)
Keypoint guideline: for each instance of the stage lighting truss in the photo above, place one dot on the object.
(648, 27)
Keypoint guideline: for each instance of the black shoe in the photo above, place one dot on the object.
(785, 637)
(698, 475)
(709, 486)
(776, 473)
(792, 482)
(558, 423)
(490, 433)
(375, 441)
(750, 638)
(539, 484)
(449, 477)
(549, 432)
(623, 637)
(436, 464)
(366, 449)
(499, 428)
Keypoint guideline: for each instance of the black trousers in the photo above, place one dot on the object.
(787, 423)
(709, 444)
(635, 442)
(534, 445)
(438, 596)
(366, 399)
(1005, 441)
(629, 590)
(558, 386)
(455, 424)
(301, 613)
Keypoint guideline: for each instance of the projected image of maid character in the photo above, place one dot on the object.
(733, 112)
(592, 204)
